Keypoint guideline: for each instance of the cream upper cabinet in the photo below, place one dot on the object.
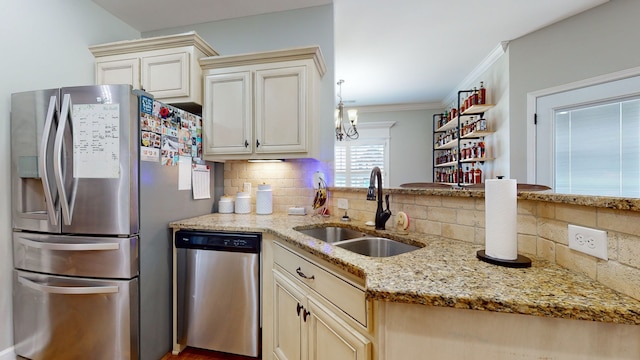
(262, 105)
(166, 66)
(228, 126)
(315, 314)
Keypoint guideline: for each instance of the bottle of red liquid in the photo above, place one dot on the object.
(477, 176)
(482, 94)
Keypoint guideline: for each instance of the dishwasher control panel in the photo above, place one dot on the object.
(217, 240)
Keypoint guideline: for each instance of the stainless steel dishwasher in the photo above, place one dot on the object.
(219, 291)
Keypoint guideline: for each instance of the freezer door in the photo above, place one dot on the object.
(35, 116)
(98, 160)
(76, 255)
(73, 318)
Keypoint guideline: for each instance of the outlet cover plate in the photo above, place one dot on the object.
(589, 241)
(343, 204)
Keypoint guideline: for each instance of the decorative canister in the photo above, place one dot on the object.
(264, 199)
(243, 203)
(225, 205)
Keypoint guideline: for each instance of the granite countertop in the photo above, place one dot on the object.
(444, 272)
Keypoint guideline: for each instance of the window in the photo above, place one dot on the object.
(597, 149)
(587, 137)
(354, 159)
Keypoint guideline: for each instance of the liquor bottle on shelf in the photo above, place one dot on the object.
(482, 94)
(482, 124)
(474, 97)
(471, 173)
(477, 175)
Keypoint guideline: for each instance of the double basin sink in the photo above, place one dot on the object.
(358, 241)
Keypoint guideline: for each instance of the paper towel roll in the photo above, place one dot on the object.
(264, 199)
(501, 212)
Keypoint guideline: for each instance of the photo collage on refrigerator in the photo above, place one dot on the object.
(167, 133)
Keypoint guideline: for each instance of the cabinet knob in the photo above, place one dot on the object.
(305, 314)
(298, 308)
(302, 275)
(246, 143)
(257, 143)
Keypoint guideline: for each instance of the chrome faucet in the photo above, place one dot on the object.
(381, 215)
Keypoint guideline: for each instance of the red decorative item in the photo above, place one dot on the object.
(164, 112)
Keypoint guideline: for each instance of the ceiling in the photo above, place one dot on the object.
(400, 52)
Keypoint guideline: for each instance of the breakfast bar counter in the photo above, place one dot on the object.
(443, 272)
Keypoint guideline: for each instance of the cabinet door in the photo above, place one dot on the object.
(124, 71)
(280, 110)
(166, 76)
(331, 338)
(289, 332)
(227, 127)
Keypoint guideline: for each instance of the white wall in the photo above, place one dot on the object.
(599, 41)
(281, 30)
(44, 44)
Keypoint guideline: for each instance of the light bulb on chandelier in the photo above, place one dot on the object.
(342, 132)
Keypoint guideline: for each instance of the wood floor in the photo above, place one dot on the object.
(200, 354)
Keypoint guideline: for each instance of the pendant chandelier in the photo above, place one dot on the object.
(345, 128)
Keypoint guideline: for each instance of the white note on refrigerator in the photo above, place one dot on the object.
(184, 173)
(201, 178)
(96, 140)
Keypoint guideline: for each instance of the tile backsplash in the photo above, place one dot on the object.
(291, 181)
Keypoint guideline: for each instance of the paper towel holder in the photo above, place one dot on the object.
(520, 262)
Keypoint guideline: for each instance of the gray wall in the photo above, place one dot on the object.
(598, 41)
(296, 28)
(410, 143)
(42, 48)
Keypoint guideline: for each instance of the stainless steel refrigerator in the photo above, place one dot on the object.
(91, 243)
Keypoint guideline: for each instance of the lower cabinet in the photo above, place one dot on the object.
(306, 329)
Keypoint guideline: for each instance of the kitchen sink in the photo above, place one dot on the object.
(376, 246)
(332, 234)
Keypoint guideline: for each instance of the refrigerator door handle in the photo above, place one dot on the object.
(52, 204)
(67, 246)
(68, 290)
(67, 203)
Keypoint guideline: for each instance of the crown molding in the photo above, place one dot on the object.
(190, 38)
(484, 65)
(299, 53)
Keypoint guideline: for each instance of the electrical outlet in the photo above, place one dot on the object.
(343, 204)
(589, 241)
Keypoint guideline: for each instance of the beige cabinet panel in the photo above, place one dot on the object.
(124, 71)
(281, 123)
(228, 125)
(330, 338)
(166, 76)
(288, 307)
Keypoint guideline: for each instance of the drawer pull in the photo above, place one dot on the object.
(302, 275)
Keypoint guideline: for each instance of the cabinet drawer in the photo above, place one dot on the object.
(338, 291)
